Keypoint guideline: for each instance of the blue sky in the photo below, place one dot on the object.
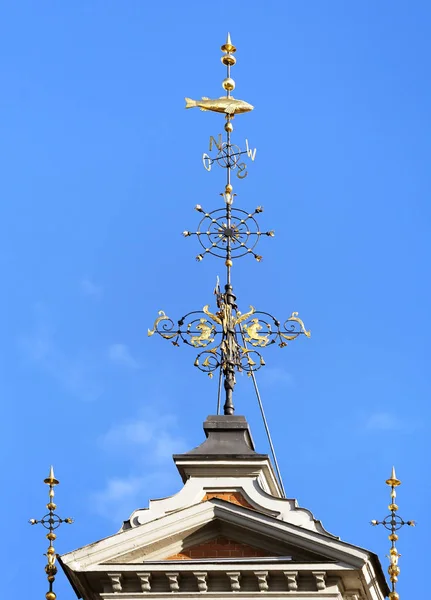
(101, 168)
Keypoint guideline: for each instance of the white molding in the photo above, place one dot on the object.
(243, 595)
(194, 517)
(195, 489)
(220, 567)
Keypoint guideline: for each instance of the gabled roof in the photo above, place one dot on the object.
(155, 545)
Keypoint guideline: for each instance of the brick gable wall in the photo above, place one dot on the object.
(219, 547)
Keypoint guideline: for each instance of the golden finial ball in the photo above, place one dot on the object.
(229, 188)
(228, 127)
(228, 60)
(50, 596)
(228, 263)
(228, 84)
(51, 536)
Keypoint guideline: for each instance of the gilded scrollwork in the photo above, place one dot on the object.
(223, 335)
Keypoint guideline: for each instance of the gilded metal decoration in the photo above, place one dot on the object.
(228, 339)
(393, 523)
(51, 521)
(227, 105)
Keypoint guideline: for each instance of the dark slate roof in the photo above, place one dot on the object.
(227, 436)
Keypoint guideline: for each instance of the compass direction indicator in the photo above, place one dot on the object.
(226, 339)
(228, 156)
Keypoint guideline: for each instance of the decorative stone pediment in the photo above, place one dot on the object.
(229, 531)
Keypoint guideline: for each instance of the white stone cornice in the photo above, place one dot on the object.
(183, 522)
(306, 595)
(196, 487)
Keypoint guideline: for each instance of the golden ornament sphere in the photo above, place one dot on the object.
(51, 536)
(393, 537)
(228, 60)
(228, 127)
(228, 84)
(51, 550)
(228, 263)
(393, 596)
(51, 506)
(50, 596)
(229, 188)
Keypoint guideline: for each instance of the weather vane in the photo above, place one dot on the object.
(51, 521)
(393, 523)
(228, 339)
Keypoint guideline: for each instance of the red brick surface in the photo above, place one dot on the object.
(219, 547)
(234, 497)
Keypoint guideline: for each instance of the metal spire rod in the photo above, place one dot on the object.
(51, 521)
(265, 423)
(393, 523)
(228, 233)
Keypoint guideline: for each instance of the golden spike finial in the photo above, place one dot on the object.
(393, 481)
(393, 523)
(50, 522)
(228, 46)
(51, 480)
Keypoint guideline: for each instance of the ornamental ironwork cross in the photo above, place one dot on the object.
(393, 523)
(228, 339)
(51, 521)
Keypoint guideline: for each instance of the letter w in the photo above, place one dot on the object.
(250, 153)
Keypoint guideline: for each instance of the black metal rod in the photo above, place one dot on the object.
(265, 422)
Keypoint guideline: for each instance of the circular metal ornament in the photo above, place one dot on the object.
(392, 522)
(228, 156)
(242, 235)
(51, 521)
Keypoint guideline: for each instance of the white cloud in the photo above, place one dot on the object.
(148, 443)
(156, 433)
(121, 355)
(122, 495)
(90, 288)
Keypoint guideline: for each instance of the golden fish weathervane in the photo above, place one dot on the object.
(229, 106)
